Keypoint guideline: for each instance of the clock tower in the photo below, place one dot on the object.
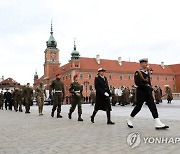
(51, 63)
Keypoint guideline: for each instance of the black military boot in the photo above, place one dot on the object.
(70, 115)
(59, 116)
(109, 122)
(93, 115)
(79, 118)
(52, 114)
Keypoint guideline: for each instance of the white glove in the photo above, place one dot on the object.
(106, 94)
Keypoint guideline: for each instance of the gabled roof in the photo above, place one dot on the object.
(90, 64)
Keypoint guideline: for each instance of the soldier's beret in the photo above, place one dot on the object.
(57, 74)
(75, 76)
(143, 60)
(101, 70)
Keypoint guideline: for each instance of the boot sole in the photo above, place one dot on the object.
(165, 127)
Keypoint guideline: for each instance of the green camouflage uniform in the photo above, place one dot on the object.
(28, 95)
(57, 87)
(40, 98)
(17, 96)
(75, 89)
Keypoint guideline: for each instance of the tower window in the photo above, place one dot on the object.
(158, 78)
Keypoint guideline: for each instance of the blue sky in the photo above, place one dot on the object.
(131, 29)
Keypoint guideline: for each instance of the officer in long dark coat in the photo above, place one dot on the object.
(103, 95)
(144, 94)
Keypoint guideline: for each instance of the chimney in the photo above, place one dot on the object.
(162, 65)
(119, 61)
(98, 59)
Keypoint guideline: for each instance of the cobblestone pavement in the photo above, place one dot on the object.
(32, 134)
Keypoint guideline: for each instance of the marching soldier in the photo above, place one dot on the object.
(17, 96)
(28, 96)
(1, 100)
(144, 94)
(169, 94)
(103, 95)
(157, 94)
(76, 93)
(58, 95)
(133, 95)
(40, 98)
(92, 97)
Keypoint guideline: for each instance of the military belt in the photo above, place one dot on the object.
(58, 91)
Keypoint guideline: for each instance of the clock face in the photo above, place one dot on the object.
(53, 56)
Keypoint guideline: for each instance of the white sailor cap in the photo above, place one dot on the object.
(101, 70)
(143, 60)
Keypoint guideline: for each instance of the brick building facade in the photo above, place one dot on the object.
(118, 72)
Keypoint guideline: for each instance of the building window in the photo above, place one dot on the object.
(70, 76)
(90, 87)
(90, 76)
(121, 77)
(129, 77)
(110, 76)
(173, 79)
(63, 78)
(158, 78)
(76, 65)
(81, 75)
(66, 77)
(174, 87)
(166, 78)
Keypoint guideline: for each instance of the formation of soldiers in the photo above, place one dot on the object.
(102, 97)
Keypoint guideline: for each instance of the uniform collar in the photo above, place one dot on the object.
(146, 72)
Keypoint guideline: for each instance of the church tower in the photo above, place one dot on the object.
(51, 63)
(75, 57)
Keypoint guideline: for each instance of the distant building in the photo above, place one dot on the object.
(8, 83)
(118, 72)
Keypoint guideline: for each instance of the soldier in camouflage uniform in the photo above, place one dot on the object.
(1, 100)
(17, 96)
(76, 91)
(40, 98)
(28, 96)
(57, 87)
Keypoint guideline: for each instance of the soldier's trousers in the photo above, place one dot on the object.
(15, 104)
(1, 105)
(20, 105)
(40, 102)
(76, 100)
(148, 98)
(57, 100)
(27, 104)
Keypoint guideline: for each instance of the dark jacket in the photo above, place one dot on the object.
(102, 101)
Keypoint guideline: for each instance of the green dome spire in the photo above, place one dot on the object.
(51, 43)
(75, 54)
